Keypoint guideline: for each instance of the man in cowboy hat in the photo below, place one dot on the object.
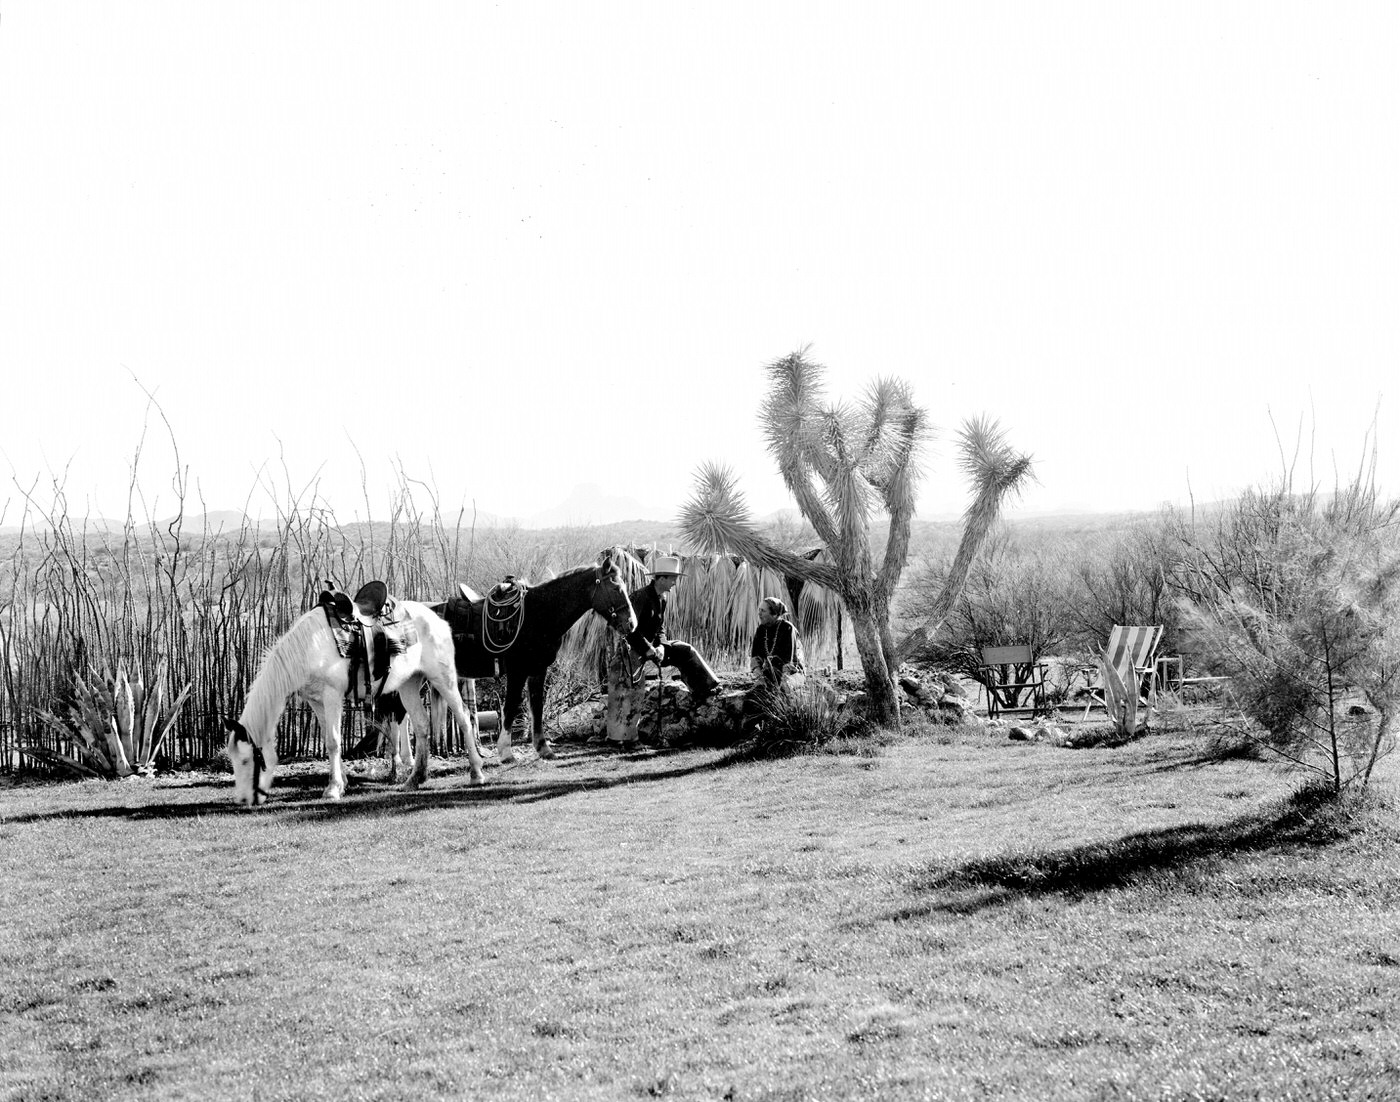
(649, 639)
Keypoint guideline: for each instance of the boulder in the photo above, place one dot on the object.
(1055, 736)
(953, 707)
(952, 688)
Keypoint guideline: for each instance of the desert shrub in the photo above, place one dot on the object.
(1296, 597)
(802, 720)
(1020, 589)
(1125, 578)
(572, 680)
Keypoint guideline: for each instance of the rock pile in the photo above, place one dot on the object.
(671, 717)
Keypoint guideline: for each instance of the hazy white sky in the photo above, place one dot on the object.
(514, 247)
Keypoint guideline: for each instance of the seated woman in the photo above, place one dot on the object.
(775, 658)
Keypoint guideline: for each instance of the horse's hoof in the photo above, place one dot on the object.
(546, 750)
(334, 792)
(476, 778)
(411, 784)
(507, 758)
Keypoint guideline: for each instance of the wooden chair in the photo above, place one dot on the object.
(1011, 676)
(1135, 649)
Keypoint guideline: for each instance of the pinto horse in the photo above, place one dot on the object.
(306, 662)
(548, 610)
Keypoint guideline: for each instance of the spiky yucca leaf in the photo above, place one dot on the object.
(848, 493)
(62, 761)
(795, 394)
(796, 428)
(90, 710)
(895, 431)
(102, 714)
(150, 717)
(124, 713)
(716, 519)
(991, 464)
(169, 723)
(1120, 693)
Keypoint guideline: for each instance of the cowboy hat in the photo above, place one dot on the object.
(666, 564)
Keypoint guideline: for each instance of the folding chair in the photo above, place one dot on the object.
(1011, 675)
(1135, 649)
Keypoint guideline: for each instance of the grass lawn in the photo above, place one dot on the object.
(954, 917)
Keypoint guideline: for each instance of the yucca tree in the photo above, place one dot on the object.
(843, 464)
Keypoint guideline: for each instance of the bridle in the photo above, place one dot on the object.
(259, 766)
(615, 615)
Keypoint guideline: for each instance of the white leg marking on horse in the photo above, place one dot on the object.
(331, 701)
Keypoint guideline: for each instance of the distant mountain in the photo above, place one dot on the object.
(661, 534)
(587, 504)
(90, 524)
(215, 521)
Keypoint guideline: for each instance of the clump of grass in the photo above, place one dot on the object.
(1232, 742)
(944, 728)
(802, 721)
(1102, 735)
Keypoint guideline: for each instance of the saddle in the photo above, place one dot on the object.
(484, 628)
(369, 630)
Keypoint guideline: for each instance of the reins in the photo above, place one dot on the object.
(636, 672)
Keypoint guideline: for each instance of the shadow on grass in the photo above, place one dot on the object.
(297, 793)
(1311, 818)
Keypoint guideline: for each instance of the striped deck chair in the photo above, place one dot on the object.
(1132, 648)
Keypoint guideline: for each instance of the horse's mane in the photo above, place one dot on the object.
(572, 572)
(281, 672)
(628, 564)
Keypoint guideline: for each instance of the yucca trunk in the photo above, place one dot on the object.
(869, 632)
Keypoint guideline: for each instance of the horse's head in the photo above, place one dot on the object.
(610, 600)
(253, 767)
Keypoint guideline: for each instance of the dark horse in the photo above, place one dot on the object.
(545, 613)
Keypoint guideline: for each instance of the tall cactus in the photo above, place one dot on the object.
(844, 463)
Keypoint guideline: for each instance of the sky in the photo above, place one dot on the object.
(494, 251)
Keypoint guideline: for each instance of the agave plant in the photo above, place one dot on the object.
(1121, 695)
(114, 726)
